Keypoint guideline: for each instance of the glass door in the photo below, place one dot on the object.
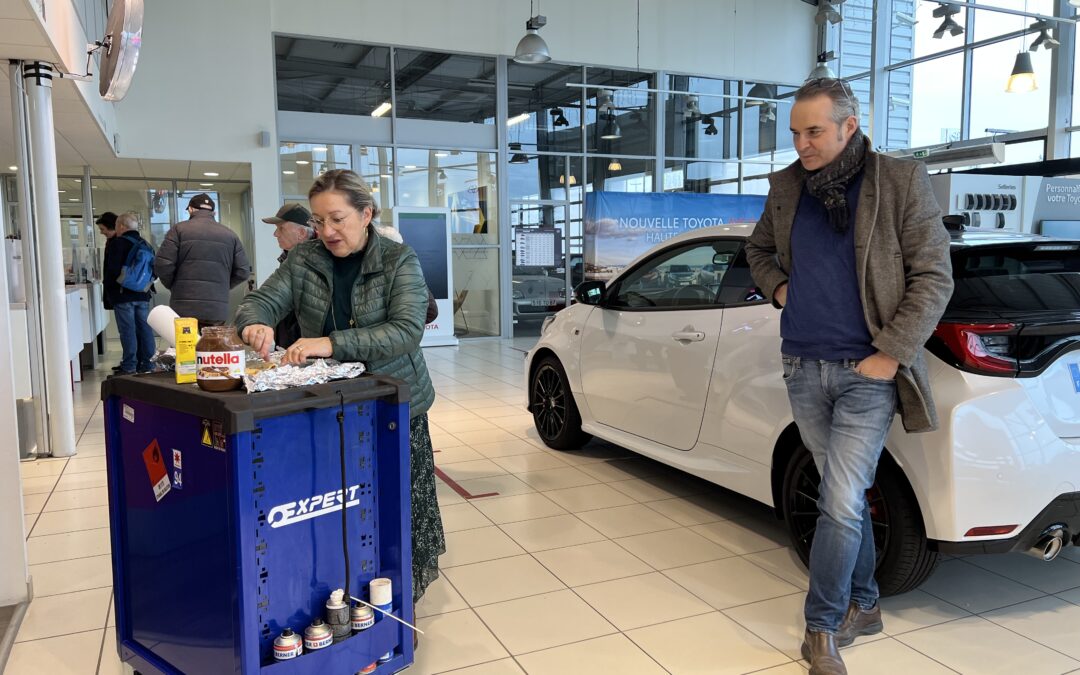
(540, 284)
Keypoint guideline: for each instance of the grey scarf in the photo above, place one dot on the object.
(829, 184)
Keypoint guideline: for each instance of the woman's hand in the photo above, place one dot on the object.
(259, 337)
(308, 348)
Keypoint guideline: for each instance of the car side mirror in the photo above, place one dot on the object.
(590, 292)
(723, 259)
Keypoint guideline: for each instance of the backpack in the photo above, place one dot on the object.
(138, 271)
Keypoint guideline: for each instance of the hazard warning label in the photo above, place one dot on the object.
(155, 468)
(213, 436)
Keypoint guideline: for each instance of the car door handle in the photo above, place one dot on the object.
(688, 336)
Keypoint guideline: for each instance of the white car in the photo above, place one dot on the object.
(691, 376)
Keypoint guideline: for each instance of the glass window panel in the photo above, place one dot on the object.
(693, 118)
(539, 177)
(376, 166)
(1074, 144)
(991, 24)
(927, 24)
(615, 174)
(903, 33)
(993, 110)
(476, 292)
(758, 183)
(464, 182)
(446, 87)
(714, 177)
(856, 32)
(302, 162)
(936, 91)
(1076, 94)
(553, 109)
(322, 76)
(767, 125)
(620, 121)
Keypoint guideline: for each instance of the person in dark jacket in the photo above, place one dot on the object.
(292, 226)
(106, 224)
(359, 297)
(199, 261)
(130, 307)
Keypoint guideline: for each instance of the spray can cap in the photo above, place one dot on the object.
(337, 598)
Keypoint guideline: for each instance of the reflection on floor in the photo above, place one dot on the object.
(586, 562)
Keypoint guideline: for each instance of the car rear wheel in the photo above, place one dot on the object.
(552, 405)
(904, 560)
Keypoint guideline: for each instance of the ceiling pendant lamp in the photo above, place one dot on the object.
(532, 48)
(518, 157)
(614, 165)
(1022, 79)
(611, 130)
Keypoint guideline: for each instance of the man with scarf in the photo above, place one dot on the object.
(852, 247)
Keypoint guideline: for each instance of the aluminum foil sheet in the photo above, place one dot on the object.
(318, 371)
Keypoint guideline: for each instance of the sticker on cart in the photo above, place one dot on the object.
(213, 435)
(219, 436)
(155, 468)
(177, 460)
(129, 413)
(1074, 369)
(178, 479)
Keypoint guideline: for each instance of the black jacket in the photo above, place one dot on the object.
(116, 253)
(199, 261)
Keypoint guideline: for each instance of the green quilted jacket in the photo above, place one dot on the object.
(389, 302)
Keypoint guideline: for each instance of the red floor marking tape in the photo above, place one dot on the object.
(458, 489)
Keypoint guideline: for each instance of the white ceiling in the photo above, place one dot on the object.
(79, 139)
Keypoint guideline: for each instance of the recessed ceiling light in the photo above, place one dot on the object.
(206, 185)
(381, 110)
(211, 174)
(442, 153)
(63, 191)
(410, 166)
(78, 180)
(13, 168)
(517, 119)
(72, 199)
(384, 175)
(288, 173)
(318, 148)
(302, 162)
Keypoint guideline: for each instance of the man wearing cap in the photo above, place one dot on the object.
(199, 262)
(290, 228)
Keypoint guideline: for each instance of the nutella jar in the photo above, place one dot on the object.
(219, 357)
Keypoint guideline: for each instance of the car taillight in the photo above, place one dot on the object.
(982, 347)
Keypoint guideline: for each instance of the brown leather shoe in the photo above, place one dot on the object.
(858, 622)
(820, 650)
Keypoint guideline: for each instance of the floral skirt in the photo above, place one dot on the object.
(428, 540)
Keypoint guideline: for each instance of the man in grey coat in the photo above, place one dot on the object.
(852, 247)
(199, 262)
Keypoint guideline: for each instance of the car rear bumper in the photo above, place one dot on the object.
(1063, 510)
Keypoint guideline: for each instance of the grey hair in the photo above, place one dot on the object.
(845, 104)
(129, 220)
(350, 184)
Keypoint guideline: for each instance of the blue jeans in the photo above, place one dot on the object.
(136, 335)
(843, 417)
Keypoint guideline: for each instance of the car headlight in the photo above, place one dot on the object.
(548, 320)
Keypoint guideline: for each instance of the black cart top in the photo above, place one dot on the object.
(238, 410)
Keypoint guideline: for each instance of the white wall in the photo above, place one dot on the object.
(205, 83)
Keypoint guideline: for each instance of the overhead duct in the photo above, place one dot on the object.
(951, 156)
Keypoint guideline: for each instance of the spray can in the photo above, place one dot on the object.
(337, 616)
(362, 618)
(317, 636)
(287, 646)
(382, 596)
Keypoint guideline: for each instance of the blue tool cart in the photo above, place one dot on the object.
(227, 526)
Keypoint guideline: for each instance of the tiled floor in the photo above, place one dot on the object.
(585, 562)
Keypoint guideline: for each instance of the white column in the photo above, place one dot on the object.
(13, 570)
(37, 80)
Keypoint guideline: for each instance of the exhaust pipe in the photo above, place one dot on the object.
(1049, 544)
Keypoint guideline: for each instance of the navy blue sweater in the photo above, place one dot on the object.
(823, 318)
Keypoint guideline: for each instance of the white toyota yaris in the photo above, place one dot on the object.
(690, 375)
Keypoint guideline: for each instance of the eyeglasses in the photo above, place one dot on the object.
(319, 224)
(826, 83)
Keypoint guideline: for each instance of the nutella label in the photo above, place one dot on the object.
(220, 365)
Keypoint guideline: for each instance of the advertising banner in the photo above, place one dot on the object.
(427, 231)
(620, 226)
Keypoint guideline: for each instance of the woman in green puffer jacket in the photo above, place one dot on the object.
(359, 297)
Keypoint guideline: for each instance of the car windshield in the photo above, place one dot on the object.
(1034, 276)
